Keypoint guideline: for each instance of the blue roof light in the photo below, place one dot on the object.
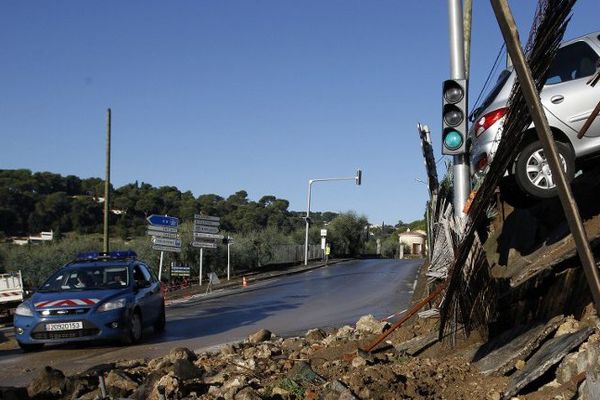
(96, 255)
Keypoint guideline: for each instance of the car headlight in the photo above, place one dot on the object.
(112, 305)
(24, 310)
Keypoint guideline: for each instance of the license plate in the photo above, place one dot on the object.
(64, 326)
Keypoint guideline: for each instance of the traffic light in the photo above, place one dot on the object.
(454, 117)
(358, 177)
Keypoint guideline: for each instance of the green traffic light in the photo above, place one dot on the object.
(453, 140)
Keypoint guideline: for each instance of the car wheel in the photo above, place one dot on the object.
(159, 325)
(134, 331)
(532, 171)
(30, 347)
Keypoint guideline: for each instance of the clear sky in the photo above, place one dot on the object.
(260, 95)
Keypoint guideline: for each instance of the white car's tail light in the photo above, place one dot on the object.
(488, 120)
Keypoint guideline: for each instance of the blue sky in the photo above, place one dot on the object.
(219, 96)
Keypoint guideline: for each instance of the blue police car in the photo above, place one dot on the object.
(97, 296)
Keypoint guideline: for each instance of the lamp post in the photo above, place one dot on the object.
(357, 179)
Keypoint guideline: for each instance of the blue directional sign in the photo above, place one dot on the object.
(162, 220)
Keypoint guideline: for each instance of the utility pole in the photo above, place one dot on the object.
(107, 182)
(462, 185)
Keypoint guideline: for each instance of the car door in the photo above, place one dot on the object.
(567, 96)
(154, 296)
(143, 295)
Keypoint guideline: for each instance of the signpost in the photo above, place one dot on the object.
(205, 228)
(164, 232)
(180, 270)
(229, 243)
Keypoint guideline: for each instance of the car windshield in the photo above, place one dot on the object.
(87, 278)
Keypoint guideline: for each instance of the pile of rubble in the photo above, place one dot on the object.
(330, 366)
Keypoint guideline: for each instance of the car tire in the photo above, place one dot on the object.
(159, 325)
(532, 172)
(135, 329)
(27, 348)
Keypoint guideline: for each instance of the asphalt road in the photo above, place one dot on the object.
(288, 305)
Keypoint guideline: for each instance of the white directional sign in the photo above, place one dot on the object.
(166, 248)
(154, 228)
(166, 242)
(206, 229)
(205, 245)
(203, 222)
(170, 235)
(206, 217)
(199, 235)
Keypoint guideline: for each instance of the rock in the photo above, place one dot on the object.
(158, 363)
(50, 381)
(368, 324)
(569, 326)
(292, 344)
(247, 393)
(182, 353)
(167, 386)
(127, 364)
(260, 336)
(184, 369)
(263, 352)
(358, 362)
(315, 335)
(344, 332)
(234, 383)
(215, 391)
(217, 379)
(519, 364)
(119, 384)
(227, 350)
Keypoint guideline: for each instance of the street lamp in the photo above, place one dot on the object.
(356, 178)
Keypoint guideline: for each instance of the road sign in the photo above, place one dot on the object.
(323, 232)
(166, 242)
(204, 222)
(205, 245)
(166, 248)
(169, 235)
(162, 220)
(180, 270)
(205, 229)
(208, 236)
(206, 217)
(153, 228)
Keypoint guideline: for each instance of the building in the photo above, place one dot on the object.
(416, 241)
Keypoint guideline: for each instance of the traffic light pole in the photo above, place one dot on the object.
(460, 169)
(357, 179)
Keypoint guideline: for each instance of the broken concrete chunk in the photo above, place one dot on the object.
(182, 353)
(315, 335)
(260, 336)
(368, 324)
(50, 381)
(548, 355)
(119, 384)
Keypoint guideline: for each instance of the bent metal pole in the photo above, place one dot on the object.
(511, 37)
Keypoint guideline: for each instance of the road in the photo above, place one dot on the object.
(287, 306)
